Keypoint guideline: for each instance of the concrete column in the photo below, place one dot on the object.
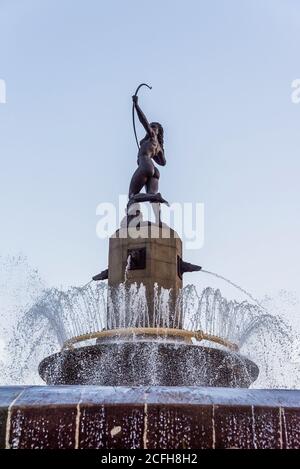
(152, 252)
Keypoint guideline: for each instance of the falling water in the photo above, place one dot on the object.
(127, 268)
(41, 324)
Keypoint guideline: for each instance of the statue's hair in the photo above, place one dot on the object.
(160, 136)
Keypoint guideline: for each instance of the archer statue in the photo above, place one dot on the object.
(151, 149)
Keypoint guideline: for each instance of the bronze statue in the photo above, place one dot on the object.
(151, 149)
(147, 175)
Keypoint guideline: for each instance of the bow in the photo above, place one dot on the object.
(133, 115)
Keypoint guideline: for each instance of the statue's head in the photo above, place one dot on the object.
(158, 129)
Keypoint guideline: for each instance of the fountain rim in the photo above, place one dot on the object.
(150, 331)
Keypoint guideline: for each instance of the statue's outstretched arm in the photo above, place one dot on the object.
(142, 118)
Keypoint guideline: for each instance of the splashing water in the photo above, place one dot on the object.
(127, 268)
(54, 316)
(87, 284)
(234, 285)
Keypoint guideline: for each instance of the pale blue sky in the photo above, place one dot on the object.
(221, 72)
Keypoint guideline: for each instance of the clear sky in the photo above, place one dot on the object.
(221, 72)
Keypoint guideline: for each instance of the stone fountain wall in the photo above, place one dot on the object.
(69, 417)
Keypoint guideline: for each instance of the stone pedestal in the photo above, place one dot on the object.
(148, 255)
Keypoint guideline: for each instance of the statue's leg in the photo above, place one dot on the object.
(138, 181)
(152, 188)
(152, 183)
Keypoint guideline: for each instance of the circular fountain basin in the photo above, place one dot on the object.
(162, 363)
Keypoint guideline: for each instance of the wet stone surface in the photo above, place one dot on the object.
(148, 363)
(291, 428)
(43, 427)
(268, 428)
(3, 419)
(111, 427)
(7, 396)
(155, 417)
(180, 427)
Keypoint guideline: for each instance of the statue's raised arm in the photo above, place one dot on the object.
(142, 118)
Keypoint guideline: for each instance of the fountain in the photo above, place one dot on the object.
(146, 373)
(121, 355)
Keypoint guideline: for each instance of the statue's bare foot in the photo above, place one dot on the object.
(159, 199)
(152, 198)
